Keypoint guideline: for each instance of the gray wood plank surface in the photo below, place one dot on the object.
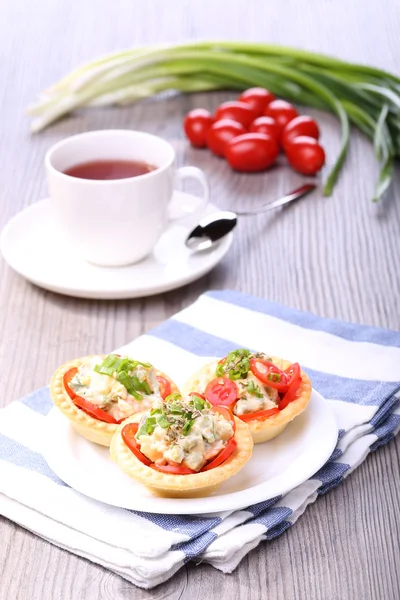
(338, 257)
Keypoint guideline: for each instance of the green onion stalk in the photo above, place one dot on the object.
(367, 97)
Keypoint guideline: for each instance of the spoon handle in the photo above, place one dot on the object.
(295, 195)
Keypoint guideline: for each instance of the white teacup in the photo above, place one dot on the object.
(116, 222)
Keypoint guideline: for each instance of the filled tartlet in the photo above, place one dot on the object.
(99, 392)
(264, 391)
(182, 447)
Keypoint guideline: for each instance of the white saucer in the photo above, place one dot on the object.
(275, 467)
(32, 245)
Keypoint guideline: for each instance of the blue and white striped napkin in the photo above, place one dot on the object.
(356, 368)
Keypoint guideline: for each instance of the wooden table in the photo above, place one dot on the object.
(338, 257)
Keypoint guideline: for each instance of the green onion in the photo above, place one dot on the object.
(366, 96)
(254, 389)
(187, 426)
(163, 421)
(128, 384)
(173, 397)
(198, 402)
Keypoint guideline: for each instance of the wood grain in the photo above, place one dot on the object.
(337, 257)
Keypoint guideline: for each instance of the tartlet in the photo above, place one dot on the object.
(185, 451)
(236, 374)
(95, 413)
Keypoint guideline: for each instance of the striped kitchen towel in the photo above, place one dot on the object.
(356, 368)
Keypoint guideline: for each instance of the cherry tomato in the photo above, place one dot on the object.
(237, 111)
(283, 112)
(87, 407)
(165, 386)
(128, 435)
(222, 456)
(196, 124)
(269, 374)
(221, 391)
(302, 125)
(261, 414)
(258, 98)
(265, 125)
(173, 469)
(291, 393)
(305, 155)
(221, 133)
(252, 152)
(226, 413)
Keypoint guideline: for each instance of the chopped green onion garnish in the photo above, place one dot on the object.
(253, 389)
(173, 397)
(126, 381)
(163, 421)
(198, 402)
(187, 426)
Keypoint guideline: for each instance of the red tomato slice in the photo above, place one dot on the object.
(226, 413)
(88, 407)
(165, 386)
(128, 435)
(93, 410)
(68, 375)
(291, 393)
(221, 391)
(293, 372)
(261, 414)
(173, 469)
(266, 372)
(222, 456)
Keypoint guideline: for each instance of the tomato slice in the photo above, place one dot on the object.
(222, 456)
(269, 374)
(261, 414)
(68, 375)
(165, 386)
(293, 372)
(173, 469)
(93, 410)
(226, 413)
(291, 393)
(221, 391)
(128, 435)
(87, 407)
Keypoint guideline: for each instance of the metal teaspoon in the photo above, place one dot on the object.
(214, 227)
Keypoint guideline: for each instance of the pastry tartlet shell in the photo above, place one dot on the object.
(182, 486)
(262, 430)
(92, 429)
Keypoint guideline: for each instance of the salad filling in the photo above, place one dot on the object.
(182, 436)
(115, 385)
(251, 385)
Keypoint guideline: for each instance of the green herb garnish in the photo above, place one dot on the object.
(254, 389)
(198, 402)
(236, 365)
(121, 369)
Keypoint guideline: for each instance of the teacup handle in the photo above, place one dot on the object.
(194, 173)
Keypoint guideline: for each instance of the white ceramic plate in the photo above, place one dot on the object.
(274, 468)
(33, 246)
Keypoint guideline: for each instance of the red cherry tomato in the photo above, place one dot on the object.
(173, 469)
(221, 133)
(222, 456)
(196, 124)
(87, 407)
(269, 374)
(265, 125)
(237, 111)
(165, 386)
(128, 435)
(305, 155)
(221, 391)
(302, 125)
(258, 98)
(283, 112)
(261, 414)
(252, 152)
